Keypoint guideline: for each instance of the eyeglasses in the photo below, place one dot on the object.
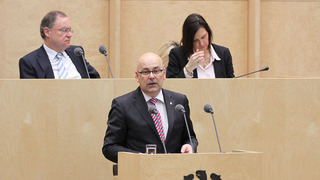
(154, 72)
(65, 30)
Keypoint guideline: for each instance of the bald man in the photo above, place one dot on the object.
(131, 126)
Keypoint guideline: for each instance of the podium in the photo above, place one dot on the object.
(230, 165)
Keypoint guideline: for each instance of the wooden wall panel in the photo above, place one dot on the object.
(40, 139)
(280, 34)
(289, 38)
(53, 129)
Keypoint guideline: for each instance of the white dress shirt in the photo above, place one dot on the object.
(161, 107)
(208, 71)
(68, 64)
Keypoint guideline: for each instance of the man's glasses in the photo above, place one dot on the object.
(65, 30)
(154, 72)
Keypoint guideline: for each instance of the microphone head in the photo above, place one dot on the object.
(78, 51)
(208, 108)
(103, 50)
(266, 68)
(179, 108)
(152, 109)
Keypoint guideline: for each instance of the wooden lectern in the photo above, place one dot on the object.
(230, 165)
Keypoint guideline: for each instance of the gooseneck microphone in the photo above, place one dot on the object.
(153, 110)
(263, 69)
(79, 52)
(103, 50)
(179, 108)
(208, 109)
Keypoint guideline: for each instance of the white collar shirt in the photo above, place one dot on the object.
(71, 69)
(208, 71)
(161, 107)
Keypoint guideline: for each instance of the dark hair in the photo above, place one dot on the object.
(190, 27)
(48, 21)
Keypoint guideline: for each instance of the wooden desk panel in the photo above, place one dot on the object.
(51, 129)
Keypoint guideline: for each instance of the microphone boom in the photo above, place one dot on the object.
(79, 52)
(263, 69)
(208, 109)
(103, 50)
(179, 108)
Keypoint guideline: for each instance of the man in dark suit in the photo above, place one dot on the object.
(55, 58)
(130, 125)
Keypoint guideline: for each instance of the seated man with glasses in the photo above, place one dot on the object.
(131, 124)
(55, 59)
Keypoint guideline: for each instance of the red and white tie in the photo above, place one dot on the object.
(157, 120)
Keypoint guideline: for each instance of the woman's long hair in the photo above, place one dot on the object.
(190, 27)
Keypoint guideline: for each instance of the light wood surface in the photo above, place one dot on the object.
(229, 165)
(53, 129)
(258, 33)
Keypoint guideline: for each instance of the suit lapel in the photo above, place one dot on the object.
(44, 62)
(195, 73)
(217, 65)
(142, 108)
(77, 61)
(170, 106)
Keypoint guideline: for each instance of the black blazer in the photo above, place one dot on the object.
(178, 60)
(37, 65)
(130, 125)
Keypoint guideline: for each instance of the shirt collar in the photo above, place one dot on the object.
(214, 54)
(52, 53)
(159, 96)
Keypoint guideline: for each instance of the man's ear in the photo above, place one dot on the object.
(46, 31)
(137, 78)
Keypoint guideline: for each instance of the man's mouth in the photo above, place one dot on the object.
(151, 84)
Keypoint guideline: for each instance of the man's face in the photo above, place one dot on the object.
(201, 40)
(150, 83)
(59, 36)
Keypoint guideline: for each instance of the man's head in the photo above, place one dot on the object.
(150, 73)
(55, 30)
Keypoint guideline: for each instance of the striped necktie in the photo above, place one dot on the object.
(157, 120)
(63, 73)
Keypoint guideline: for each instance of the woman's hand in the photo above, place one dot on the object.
(195, 59)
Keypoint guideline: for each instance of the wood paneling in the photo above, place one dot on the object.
(53, 129)
(289, 38)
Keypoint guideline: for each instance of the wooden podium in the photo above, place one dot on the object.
(230, 165)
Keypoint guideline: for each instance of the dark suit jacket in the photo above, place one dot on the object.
(37, 65)
(178, 60)
(130, 125)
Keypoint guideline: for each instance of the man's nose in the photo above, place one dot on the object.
(151, 75)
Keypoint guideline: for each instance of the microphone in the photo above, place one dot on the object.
(263, 69)
(179, 108)
(103, 50)
(208, 109)
(153, 110)
(79, 52)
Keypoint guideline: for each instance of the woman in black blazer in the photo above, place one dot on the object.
(197, 57)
